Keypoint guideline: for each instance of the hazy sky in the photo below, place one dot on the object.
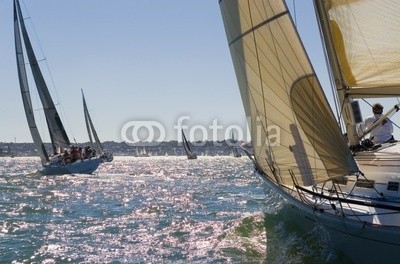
(136, 60)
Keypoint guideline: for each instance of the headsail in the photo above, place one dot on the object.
(294, 132)
(90, 128)
(57, 132)
(363, 37)
(24, 86)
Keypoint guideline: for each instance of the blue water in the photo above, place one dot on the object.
(149, 210)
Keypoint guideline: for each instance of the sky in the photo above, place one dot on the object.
(139, 62)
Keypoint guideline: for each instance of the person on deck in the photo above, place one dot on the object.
(383, 132)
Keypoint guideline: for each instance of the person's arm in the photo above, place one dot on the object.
(390, 126)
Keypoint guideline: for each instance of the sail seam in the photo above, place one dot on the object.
(258, 26)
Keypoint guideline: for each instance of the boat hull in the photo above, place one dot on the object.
(192, 156)
(78, 167)
(359, 241)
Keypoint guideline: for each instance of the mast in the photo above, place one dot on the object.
(57, 132)
(342, 90)
(90, 127)
(25, 93)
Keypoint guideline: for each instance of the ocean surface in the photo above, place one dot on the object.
(150, 210)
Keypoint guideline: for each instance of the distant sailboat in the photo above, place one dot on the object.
(143, 153)
(105, 156)
(235, 151)
(55, 162)
(188, 151)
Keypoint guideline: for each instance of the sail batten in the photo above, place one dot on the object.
(258, 26)
(293, 129)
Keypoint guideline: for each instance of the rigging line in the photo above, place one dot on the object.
(333, 89)
(379, 193)
(351, 201)
(341, 111)
(331, 78)
(337, 195)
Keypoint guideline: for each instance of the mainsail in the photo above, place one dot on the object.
(90, 128)
(57, 132)
(294, 133)
(25, 93)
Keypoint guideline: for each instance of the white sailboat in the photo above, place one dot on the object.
(106, 156)
(56, 162)
(300, 150)
(189, 153)
(143, 153)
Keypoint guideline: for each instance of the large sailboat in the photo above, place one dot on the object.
(64, 158)
(189, 153)
(329, 177)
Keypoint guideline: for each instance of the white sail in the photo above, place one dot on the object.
(363, 36)
(299, 136)
(90, 128)
(57, 132)
(25, 93)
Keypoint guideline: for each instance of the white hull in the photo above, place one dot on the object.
(363, 221)
(79, 167)
(358, 240)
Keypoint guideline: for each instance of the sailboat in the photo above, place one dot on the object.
(235, 151)
(190, 155)
(105, 156)
(316, 163)
(143, 153)
(64, 158)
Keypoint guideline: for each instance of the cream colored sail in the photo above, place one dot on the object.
(364, 38)
(293, 129)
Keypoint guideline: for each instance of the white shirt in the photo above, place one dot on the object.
(381, 133)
